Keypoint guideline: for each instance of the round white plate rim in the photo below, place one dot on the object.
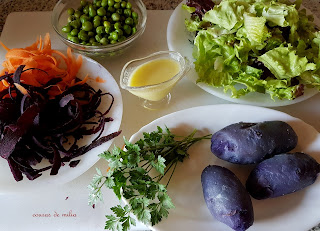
(225, 108)
(174, 40)
(66, 173)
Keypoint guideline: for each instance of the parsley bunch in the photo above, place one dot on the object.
(135, 173)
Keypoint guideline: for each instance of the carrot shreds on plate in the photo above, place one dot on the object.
(44, 64)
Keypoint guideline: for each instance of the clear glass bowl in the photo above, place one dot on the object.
(59, 19)
(158, 95)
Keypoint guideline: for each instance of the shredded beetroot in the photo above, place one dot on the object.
(34, 126)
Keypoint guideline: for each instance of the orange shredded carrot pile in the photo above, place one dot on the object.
(40, 55)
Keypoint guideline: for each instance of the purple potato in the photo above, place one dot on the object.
(281, 175)
(250, 143)
(226, 197)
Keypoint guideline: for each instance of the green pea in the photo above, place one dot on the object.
(111, 9)
(119, 11)
(104, 3)
(100, 29)
(66, 29)
(110, 2)
(95, 44)
(116, 5)
(86, 9)
(98, 3)
(98, 37)
(119, 31)
(83, 3)
(104, 41)
(87, 26)
(134, 15)
(69, 36)
(117, 0)
(95, 1)
(91, 34)
(107, 29)
(74, 39)
(122, 38)
(92, 11)
(84, 18)
(74, 32)
(70, 11)
(127, 29)
(77, 14)
(106, 23)
(123, 4)
(135, 21)
(97, 18)
(101, 11)
(88, 44)
(134, 30)
(91, 40)
(96, 23)
(117, 25)
(129, 5)
(128, 21)
(127, 12)
(113, 41)
(71, 18)
(83, 35)
(115, 17)
(114, 35)
(83, 43)
(75, 23)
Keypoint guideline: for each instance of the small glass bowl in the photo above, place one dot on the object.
(158, 95)
(59, 19)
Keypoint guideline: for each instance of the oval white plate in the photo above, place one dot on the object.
(179, 39)
(66, 173)
(185, 188)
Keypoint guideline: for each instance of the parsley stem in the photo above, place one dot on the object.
(176, 163)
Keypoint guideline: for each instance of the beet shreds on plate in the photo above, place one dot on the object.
(34, 126)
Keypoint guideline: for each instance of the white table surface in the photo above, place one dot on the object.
(17, 210)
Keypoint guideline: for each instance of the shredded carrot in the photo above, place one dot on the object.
(100, 80)
(41, 56)
(21, 89)
(5, 83)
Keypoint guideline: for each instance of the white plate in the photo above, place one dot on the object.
(66, 173)
(179, 39)
(185, 187)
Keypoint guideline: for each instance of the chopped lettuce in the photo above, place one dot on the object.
(284, 63)
(228, 15)
(266, 46)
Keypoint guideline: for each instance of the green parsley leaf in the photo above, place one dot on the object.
(136, 172)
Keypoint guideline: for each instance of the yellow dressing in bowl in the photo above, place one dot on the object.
(157, 73)
(154, 72)
(153, 77)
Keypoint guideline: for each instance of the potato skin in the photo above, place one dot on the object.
(226, 197)
(281, 175)
(250, 143)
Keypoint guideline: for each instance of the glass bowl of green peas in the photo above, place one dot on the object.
(99, 27)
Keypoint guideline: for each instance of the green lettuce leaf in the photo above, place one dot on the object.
(284, 63)
(228, 15)
(188, 8)
(256, 28)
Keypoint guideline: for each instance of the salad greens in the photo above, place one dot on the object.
(265, 46)
(136, 173)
